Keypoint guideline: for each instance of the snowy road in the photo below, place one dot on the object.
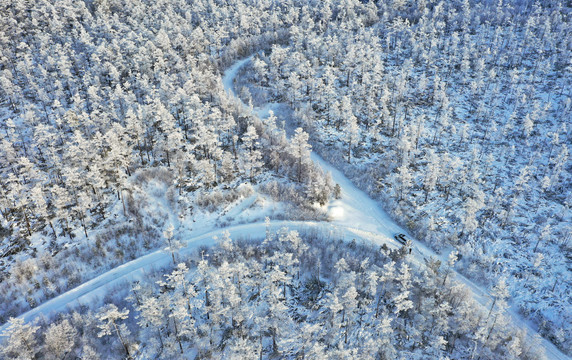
(357, 212)
(137, 268)
(354, 216)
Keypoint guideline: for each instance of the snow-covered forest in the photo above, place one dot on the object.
(116, 128)
(290, 296)
(130, 127)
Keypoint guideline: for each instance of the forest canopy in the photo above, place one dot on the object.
(119, 137)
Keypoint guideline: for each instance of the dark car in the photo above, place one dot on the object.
(401, 238)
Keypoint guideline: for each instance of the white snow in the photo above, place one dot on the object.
(354, 216)
(356, 212)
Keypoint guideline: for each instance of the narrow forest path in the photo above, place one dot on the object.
(354, 216)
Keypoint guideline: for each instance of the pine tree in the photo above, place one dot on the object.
(109, 317)
(42, 211)
(401, 181)
(401, 300)
(173, 244)
(300, 150)
(252, 156)
(351, 131)
(60, 339)
(21, 340)
(432, 173)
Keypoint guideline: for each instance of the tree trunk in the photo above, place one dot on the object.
(300, 168)
(122, 203)
(274, 344)
(207, 303)
(177, 335)
(491, 310)
(52, 227)
(121, 339)
(28, 227)
(160, 339)
(492, 327)
(84, 227)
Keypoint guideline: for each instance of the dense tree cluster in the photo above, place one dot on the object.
(101, 101)
(459, 112)
(290, 296)
(95, 91)
(116, 128)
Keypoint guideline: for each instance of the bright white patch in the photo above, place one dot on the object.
(336, 212)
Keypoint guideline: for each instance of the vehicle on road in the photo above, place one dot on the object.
(401, 238)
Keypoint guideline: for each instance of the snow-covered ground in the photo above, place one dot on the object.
(353, 216)
(358, 213)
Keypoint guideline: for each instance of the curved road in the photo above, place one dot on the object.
(356, 210)
(354, 216)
